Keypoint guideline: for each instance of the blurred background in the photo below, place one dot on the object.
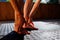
(42, 1)
(48, 9)
(46, 18)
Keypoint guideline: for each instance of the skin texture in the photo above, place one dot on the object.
(23, 14)
(19, 19)
(29, 10)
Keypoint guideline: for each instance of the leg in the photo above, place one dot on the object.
(19, 19)
(33, 10)
(27, 9)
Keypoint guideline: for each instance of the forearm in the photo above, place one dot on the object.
(34, 8)
(14, 5)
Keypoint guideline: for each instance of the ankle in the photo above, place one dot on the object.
(26, 19)
(29, 20)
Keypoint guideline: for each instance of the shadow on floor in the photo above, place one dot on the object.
(13, 36)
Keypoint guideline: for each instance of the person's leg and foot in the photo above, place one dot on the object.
(19, 32)
(28, 13)
(19, 19)
(33, 10)
(27, 8)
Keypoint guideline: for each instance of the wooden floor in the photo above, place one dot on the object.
(48, 30)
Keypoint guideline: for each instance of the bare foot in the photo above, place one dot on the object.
(21, 31)
(28, 25)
